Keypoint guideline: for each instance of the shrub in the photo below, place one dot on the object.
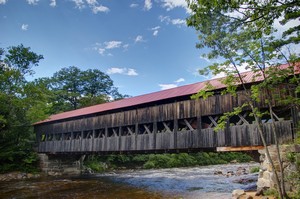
(149, 161)
(254, 170)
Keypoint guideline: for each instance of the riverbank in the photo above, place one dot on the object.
(251, 194)
(100, 164)
(18, 176)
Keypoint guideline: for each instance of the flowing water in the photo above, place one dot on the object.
(190, 183)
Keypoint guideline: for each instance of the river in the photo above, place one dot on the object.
(190, 183)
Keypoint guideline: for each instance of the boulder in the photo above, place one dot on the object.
(248, 197)
(237, 193)
(218, 173)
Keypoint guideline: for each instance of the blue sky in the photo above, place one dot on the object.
(144, 46)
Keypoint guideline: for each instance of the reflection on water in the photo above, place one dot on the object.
(196, 182)
(72, 188)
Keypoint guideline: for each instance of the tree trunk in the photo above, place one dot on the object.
(261, 133)
(282, 183)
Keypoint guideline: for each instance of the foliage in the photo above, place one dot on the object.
(95, 164)
(24, 102)
(20, 101)
(242, 34)
(73, 88)
(271, 192)
(150, 161)
(254, 169)
(294, 175)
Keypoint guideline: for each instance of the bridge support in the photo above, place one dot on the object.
(241, 148)
(54, 165)
(250, 150)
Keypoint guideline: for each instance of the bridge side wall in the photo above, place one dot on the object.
(185, 124)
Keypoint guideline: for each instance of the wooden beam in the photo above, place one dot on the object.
(147, 129)
(213, 120)
(276, 117)
(242, 148)
(115, 133)
(242, 117)
(188, 125)
(167, 127)
(129, 130)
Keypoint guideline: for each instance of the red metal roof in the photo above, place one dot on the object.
(153, 97)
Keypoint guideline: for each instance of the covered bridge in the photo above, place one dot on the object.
(167, 120)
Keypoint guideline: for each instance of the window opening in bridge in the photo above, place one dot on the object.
(283, 113)
(99, 133)
(209, 121)
(88, 134)
(188, 124)
(243, 118)
(145, 128)
(167, 126)
(77, 135)
(49, 137)
(67, 136)
(57, 136)
(113, 132)
(128, 130)
(42, 137)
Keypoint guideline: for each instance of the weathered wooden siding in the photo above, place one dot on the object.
(148, 129)
(243, 135)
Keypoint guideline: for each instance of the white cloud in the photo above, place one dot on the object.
(180, 80)
(196, 73)
(122, 71)
(131, 72)
(24, 27)
(92, 2)
(115, 70)
(101, 51)
(139, 38)
(125, 46)
(112, 44)
(155, 30)
(133, 5)
(52, 3)
(148, 4)
(103, 48)
(241, 69)
(178, 22)
(100, 8)
(173, 85)
(285, 27)
(32, 2)
(164, 19)
(2, 1)
(79, 4)
(168, 20)
(171, 4)
(167, 86)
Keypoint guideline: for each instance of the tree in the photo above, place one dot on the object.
(19, 101)
(74, 88)
(242, 33)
